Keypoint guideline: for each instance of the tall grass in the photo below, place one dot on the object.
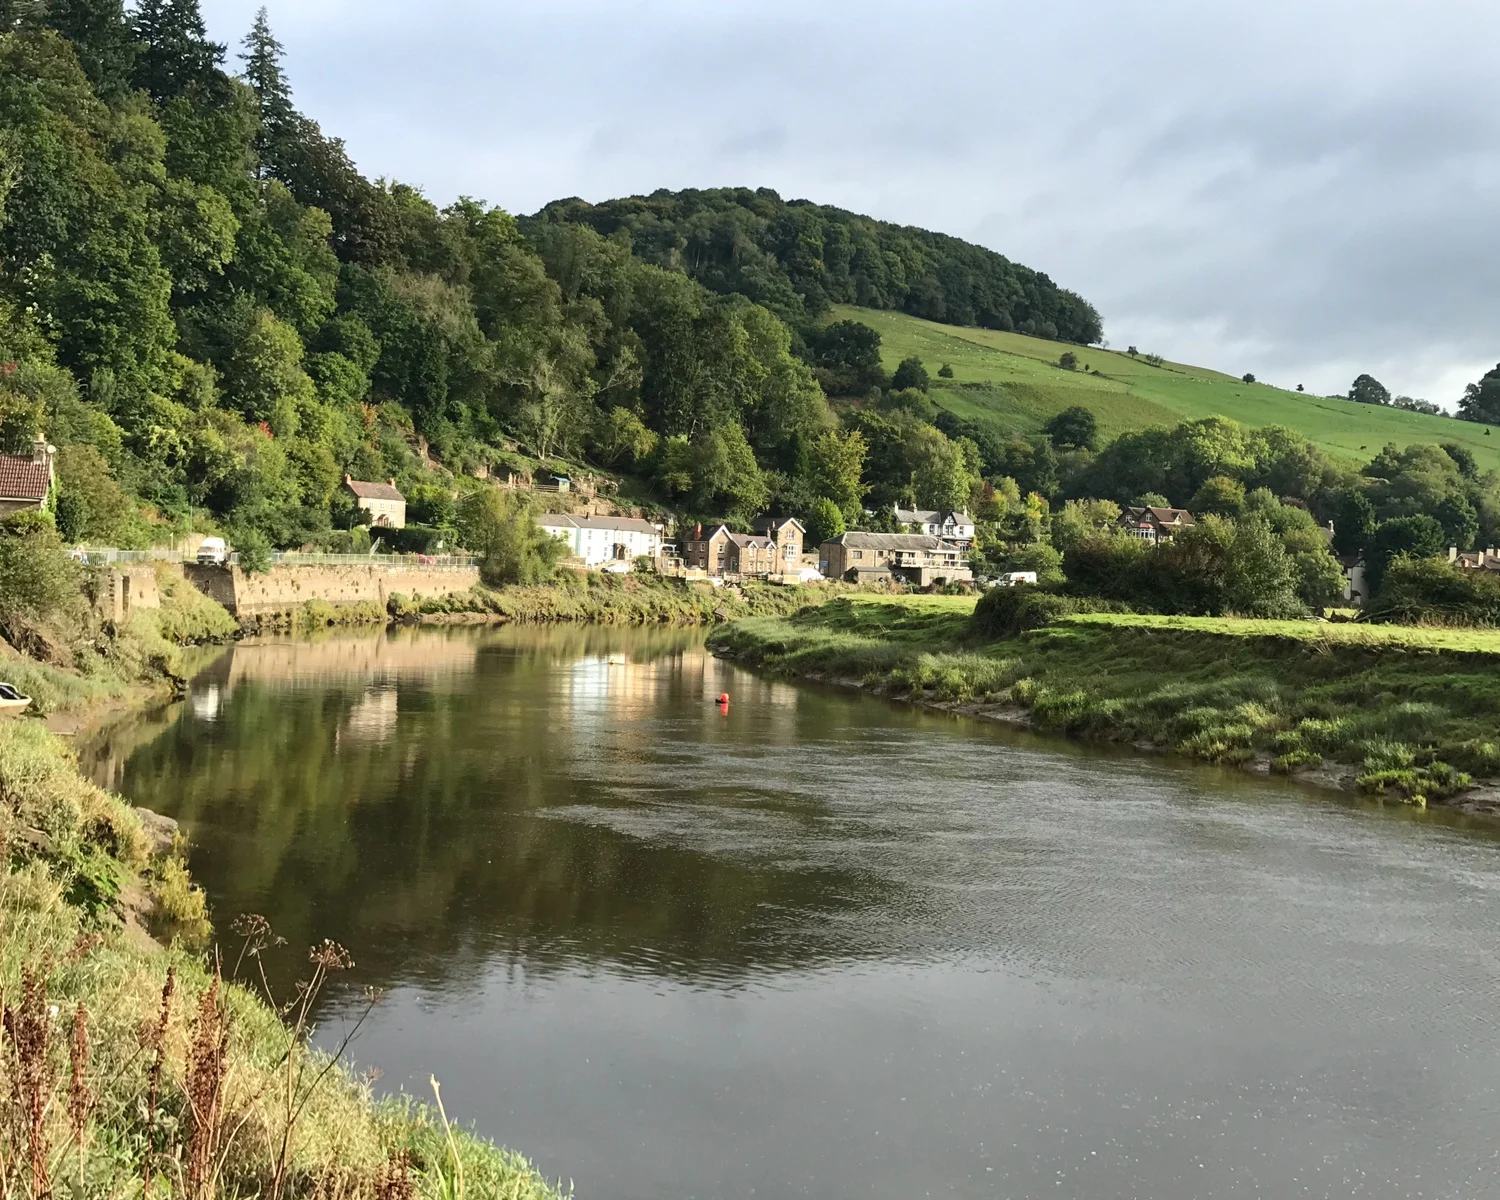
(127, 1069)
(1406, 713)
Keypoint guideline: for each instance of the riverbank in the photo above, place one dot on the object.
(130, 1059)
(603, 599)
(1413, 715)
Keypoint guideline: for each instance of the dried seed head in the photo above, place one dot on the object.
(330, 956)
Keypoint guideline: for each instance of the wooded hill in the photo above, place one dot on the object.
(798, 258)
(215, 316)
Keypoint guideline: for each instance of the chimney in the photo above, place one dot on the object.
(1452, 553)
(43, 452)
(348, 479)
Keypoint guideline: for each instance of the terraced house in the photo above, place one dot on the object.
(721, 552)
(915, 558)
(789, 535)
(600, 541)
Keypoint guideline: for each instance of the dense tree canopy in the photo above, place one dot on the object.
(797, 258)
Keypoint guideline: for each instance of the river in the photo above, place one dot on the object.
(822, 945)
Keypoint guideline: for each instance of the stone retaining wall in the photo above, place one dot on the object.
(288, 587)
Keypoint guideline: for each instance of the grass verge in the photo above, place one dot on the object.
(603, 599)
(1408, 713)
(129, 1069)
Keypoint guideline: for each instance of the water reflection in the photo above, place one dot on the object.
(824, 945)
(436, 798)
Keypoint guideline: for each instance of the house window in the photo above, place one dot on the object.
(859, 554)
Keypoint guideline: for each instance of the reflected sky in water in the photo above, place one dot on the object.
(823, 945)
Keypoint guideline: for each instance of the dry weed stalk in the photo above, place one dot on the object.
(207, 1072)
(156, 1041)
(296, 1088)
(81, 1098)
(28, 1032)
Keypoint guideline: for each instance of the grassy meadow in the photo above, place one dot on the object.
(1014, 380)
(1408, 713)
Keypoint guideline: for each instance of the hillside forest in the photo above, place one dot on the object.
(215, 316)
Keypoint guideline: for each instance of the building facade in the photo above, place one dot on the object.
(951, 526)
(386, 506)
(705, 548)
(1155, 525)
(600, 541)
(789, 536)
(915, 558)
(26, 483)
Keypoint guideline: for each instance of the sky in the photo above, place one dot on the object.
(1303, 189)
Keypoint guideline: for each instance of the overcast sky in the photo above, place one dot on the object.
(1305, 189)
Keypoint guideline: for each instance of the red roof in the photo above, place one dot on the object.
(373, 491)
(22, 479)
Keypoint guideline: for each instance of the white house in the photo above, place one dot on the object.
(955, 527)
(603, 540)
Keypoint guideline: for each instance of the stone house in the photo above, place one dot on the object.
(706, 548)
(26, 483)
(789, 535)
(720, 552)
(916, 558)
(386, 506)
(1155, 525)
(751, 554)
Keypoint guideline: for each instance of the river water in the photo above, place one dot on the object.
(821, 945)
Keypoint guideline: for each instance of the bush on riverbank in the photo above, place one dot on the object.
(1407, 714)
(1433, 591)
(124, 1061)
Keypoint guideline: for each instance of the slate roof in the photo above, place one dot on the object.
(890, 541)
(774, 524)
(1159, 516)
(747, 541)
(373, 491)
(22, 479)
(620, 524)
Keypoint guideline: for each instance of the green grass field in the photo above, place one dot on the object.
(1014, 381)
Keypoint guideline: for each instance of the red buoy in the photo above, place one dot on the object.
(723, 697)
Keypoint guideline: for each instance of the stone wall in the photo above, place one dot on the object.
(125, 589)
(287, 587)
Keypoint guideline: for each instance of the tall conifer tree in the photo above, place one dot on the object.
(175, 54)
(102, 38)
(262, 58)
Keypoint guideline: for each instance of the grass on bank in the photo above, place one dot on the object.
(127, 1069)
(604, 599)
(1412, 713)
(1014, 380)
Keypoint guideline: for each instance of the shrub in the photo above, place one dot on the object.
(1009, 611)
(1433, 591)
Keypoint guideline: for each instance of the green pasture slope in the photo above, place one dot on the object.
(1014, 381)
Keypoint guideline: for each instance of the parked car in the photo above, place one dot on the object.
(213, 552)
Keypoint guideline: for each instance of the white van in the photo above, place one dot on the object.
(213, 552)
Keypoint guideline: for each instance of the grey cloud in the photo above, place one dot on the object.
(1309, 182)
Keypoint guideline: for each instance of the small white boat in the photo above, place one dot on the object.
(12, 703)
